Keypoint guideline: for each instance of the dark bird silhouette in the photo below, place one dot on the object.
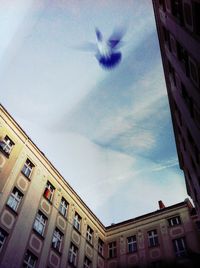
(108, 54)
(107, 50)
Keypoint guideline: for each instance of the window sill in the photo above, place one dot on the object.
(76, 230)
(132, 252)
(101, 255)
(172, 226)
(4, 153)
(154, 246)
(56, 250)
(65, 217)
(89, 243)
(38, 234)
(50, 202)
(12, 210)
(28, 178)
(71, 264)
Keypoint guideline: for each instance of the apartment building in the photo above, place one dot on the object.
(44, 223)
(178, 28)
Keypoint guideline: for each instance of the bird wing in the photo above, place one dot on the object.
(99, 35)
(115, 39)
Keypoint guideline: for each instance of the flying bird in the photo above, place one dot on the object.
(107, 50)
(108, 53)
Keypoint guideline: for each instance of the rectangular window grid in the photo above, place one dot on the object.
(6, 145)
(89, 234)
(3, 236)
(63, 207)
(180, 247)
(29, 260)
(27, 168)
(40, 223)
(87, 263)
(132, 244)
(100, 246)
(153, 238)
(73, 251)
(14, 199)
(49, 191)
(77, 221)
(174, 221)
(112, 250)
(57, 240)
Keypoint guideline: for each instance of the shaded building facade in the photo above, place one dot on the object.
(178, 28)
(44, 223)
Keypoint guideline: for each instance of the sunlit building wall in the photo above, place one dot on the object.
(178, 30)
(44, 223)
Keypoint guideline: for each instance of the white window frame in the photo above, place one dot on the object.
(7, 145)
(73, 252)
(179, 252)
(89, 234)
(14, 199)
(77, 221)
(132, 243)
(3, 237)
(153, 236)
(40, 223)
(27, 168)
(63, 207)
(112, 249)
(100, 246)
(176, 220)
(57, 239)
(27, 262)
(87, 263)
(49, 187)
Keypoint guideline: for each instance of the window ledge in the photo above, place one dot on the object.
(132, 252)
(50, 202)
(71, 264)
(28, 178)
(12, 210)
(56, 250)
(65, 217)
(154, 246)
(4, 153)
(89, 243)
(101, 255)
(38, 234)
(76, 230)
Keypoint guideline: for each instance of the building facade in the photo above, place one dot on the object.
(178, 30)
(44, 223)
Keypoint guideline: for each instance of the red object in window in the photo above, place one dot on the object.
(47, 193)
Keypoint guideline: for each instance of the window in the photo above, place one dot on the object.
(3, 236)
(179, 247)
(6, 145)
(29, 260)
(132, 244)
(112, 250)
(14, 199)
(27, 168)
(49, 191)
(57, 239)
(63, 207)
(176, 9)
(89, 234)
(40, 223)
(100, 246)
(153, 238)
(174, 221)
(77, 221)
(87, 263)
(73, 252)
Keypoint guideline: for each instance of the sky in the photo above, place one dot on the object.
(108, 132)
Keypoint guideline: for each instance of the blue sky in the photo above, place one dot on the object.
(108, 132)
